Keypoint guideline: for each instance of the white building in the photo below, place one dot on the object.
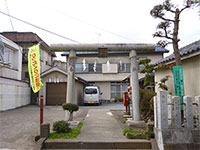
(190, 56)
(13, 91)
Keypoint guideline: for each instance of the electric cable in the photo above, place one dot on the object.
(40, 28)
(9, 15)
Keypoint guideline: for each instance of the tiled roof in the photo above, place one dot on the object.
(193, 47)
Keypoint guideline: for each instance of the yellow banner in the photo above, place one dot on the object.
(34, 67)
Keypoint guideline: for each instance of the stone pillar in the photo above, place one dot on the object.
(170, 110)
(177, 112)
(155, 112)
(44, 130)
(70, 78)
(197, 112)
(162, 110)
(189, 123)
(135, 86)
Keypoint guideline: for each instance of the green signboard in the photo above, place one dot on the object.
(178, 82)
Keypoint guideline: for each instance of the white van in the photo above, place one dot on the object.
(92, 95)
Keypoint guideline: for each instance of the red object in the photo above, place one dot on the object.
(41, 109)
(126, 99)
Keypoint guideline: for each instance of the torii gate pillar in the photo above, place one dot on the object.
(70, 78)
(134, 86)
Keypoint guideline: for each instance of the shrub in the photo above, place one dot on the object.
(134, 134)
(71, 108)
(150, 135)
(126, 130)
(146, 103)
(68, 135)
(138, 134)
(61, 126)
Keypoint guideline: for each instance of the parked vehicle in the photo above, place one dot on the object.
(92, 95)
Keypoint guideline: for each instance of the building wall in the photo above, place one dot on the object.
(12, 58)
(46, 60)
(9, 73)
(191, 75)
(79, 92)
(103, 77)
(13, 94)
(44, 64)
(105, 89)
(24, 69)
(52, 77)
(55, 77)
(154, 57)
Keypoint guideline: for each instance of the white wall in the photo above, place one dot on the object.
(79, 93)
(50, 78)
(105, 89)
(191, 75)
(13, 94)
(13, 56)
(56, 75)
(45, 63)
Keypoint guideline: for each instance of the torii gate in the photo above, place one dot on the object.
(102, 49)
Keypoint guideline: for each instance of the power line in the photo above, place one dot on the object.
(92, 25)
(9, 15)
(39, 27)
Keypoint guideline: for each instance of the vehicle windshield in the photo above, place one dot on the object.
(90, 91)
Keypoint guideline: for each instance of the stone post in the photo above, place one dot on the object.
(44, 130)
(197, 112)
(170, 110)
(189, 123)
(135, 86)
(162, 110)
(155, 112)
(70, 78)
(177, 112)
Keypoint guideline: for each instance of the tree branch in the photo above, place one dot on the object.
(184, 8)
(165, 19)
(164, 36)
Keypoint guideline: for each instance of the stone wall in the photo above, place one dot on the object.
(171, 131)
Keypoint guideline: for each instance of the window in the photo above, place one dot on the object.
(41, 54)
(79, 68)
(89, 68)
(117, 89)
(124, 68)
(98, 68)
(8, 55)
(90, 91)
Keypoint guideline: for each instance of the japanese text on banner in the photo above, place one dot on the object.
(34, 67)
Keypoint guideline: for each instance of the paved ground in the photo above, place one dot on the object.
(19, 127)
(100, 125)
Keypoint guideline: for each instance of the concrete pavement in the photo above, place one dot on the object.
(100, 125)
(18, 127)
(100, 131)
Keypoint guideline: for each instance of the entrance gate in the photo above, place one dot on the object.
(102, 51)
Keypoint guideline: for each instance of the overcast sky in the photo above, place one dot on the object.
(94, 21)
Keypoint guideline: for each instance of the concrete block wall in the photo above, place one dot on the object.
(13, 96)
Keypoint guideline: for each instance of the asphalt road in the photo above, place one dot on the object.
(19, 127)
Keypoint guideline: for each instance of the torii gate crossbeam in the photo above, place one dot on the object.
(132, 48)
